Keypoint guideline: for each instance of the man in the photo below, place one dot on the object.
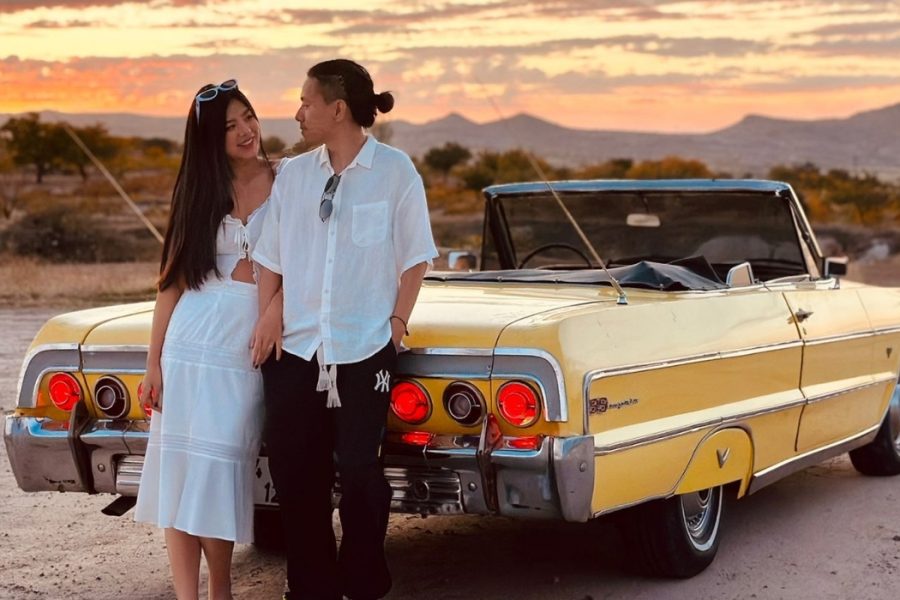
(347, 237)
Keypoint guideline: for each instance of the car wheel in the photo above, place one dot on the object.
(267, 529)
(679, 536)
(881, 456)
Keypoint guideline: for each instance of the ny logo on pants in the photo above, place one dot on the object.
(382, 381)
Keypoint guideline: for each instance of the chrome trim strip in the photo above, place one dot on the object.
(886, 330)
(807, 459)
(445, 365)
(114, 359)
(728, 420)
(115, 348)
(830, 339)
(693, 428)
(591, 376)
(828, 395)
(40, 361)
(453, 351)
(555, 402)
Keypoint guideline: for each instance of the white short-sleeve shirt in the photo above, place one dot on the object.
(341, 277)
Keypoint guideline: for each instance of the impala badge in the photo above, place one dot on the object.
(722, 456)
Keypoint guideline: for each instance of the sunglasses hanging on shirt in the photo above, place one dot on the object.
(326, 205)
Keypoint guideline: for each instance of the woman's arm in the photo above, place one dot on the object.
(151, 386)
(267, 335)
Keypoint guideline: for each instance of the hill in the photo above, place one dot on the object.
(868, 141)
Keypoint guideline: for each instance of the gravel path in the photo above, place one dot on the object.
(824, 533)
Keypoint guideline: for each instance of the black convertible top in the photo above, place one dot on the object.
(693, 273)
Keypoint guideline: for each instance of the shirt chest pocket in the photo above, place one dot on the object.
(370, 223)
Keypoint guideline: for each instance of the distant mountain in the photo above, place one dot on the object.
(868, 141)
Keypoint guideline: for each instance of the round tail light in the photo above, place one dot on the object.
(111, 397)
(464, 403)
(410, 402)
(64, 391)
(518, 403)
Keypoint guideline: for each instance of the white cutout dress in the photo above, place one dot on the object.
(199, 468)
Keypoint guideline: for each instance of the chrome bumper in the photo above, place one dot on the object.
(81, 455)
(448, 475)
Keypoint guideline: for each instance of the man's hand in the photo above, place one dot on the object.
(398, 330)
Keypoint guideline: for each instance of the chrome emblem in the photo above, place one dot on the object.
(722, 456)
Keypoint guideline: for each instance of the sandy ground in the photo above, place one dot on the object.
(824, 533)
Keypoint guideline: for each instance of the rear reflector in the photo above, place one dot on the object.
(531, 442)
(416, 438)
(64, 391)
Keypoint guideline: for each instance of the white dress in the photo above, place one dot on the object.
(199, 467)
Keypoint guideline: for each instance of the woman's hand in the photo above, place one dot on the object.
(150, 388)
(267, 335)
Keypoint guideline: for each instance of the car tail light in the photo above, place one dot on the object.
(65, 392)
(464, 403)
(518, 403)
(410, 402)
(416, 438)
(111, 397)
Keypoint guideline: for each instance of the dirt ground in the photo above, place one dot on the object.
(824, 533)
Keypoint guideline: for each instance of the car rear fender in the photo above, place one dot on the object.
(722, 457)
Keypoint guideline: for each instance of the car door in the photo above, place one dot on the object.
(844, 392)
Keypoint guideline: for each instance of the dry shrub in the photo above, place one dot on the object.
(26, 281)
(454, 201)
(60, 234)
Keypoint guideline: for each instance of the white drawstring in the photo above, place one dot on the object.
(327, 379)
(242, 240)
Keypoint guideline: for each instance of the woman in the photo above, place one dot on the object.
(200, 379)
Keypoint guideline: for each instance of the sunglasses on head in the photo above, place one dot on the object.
(211, 93)
(326, 205)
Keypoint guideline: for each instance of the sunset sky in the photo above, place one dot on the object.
(652, 65)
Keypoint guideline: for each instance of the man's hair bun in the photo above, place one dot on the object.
(384, 102)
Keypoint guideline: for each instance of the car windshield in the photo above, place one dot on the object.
(725, 228)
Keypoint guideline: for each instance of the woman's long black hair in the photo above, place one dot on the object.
(203, 194)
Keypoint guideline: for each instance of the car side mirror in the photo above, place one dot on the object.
(461, 260)
(835, 266)
(740, 275)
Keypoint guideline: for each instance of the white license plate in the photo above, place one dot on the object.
(263, 488)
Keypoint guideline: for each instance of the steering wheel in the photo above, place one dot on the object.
(546, 247)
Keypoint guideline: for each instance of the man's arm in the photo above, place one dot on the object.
(410, 283)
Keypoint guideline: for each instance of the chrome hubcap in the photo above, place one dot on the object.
(700, 513)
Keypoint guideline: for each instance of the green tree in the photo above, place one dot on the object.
(95, 137)
(506, 167)
(36, 144)
(446, 157)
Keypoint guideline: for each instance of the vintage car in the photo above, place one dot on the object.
(641, 345)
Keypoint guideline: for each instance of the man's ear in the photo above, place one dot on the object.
(341, 110)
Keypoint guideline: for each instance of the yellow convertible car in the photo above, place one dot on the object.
(642, 345)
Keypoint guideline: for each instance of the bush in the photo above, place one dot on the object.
(61, 235)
